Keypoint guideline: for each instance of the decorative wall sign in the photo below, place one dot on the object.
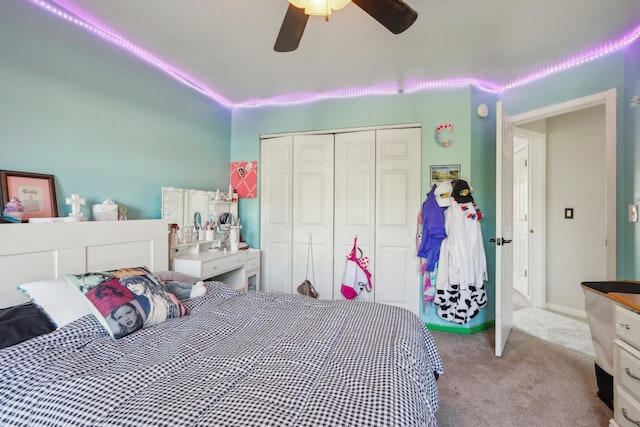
(443, 135)
(244, 178)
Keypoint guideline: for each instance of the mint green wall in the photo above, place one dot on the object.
(483, 179)
(631, 158)
(472, 147)
(108, 125)
(103, 122)
(598, 76)
(476, 152)
(428, 109)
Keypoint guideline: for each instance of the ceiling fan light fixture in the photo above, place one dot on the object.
(319, 7)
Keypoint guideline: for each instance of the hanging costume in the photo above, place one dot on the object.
(461, 267)
(433, 232)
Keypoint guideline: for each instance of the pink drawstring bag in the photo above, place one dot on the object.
(356, 276)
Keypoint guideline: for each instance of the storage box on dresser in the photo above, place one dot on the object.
(626, 365)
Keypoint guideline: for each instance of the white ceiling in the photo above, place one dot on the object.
(227, 45)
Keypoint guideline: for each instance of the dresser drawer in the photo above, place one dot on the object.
(626, 409)
(627, 324)
(253, 263)
(628, 372)
(222, 265)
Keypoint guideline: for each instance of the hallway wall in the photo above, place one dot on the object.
(575, 178)
(576, 250)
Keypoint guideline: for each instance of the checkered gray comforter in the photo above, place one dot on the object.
(254, 360)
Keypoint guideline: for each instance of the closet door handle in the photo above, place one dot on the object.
(500, 241)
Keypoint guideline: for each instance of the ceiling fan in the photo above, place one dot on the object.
(395, 15)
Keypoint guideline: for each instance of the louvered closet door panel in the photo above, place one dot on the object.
(398, 203)
(276, 174)
(313, 210)
(354, 210)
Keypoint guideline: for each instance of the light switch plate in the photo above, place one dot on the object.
(633, 213)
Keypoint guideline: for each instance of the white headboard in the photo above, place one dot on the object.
(43, 251)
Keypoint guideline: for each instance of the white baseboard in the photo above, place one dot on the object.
(579, 314)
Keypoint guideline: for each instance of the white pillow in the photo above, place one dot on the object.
(61, 301)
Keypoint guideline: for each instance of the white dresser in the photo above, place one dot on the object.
(626, 361)
(238, 269)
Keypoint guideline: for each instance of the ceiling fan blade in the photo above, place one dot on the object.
(396, 15)
(291, 30)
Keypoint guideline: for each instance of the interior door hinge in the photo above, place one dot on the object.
(525, 272)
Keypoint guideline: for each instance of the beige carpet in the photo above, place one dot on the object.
(535, 383)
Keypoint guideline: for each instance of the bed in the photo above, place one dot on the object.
(233, 360)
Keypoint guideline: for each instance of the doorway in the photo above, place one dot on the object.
(548, 215)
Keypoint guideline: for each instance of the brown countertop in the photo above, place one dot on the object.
(630, 300)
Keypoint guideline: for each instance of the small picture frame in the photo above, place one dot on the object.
(441, 173)
(36, 192)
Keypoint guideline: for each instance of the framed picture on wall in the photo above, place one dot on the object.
(36, 192)
(441, 173)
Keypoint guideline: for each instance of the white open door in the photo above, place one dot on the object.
(521, 215)
(529, 232)
(504, 228)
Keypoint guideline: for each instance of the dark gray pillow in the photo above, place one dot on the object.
(21, 322)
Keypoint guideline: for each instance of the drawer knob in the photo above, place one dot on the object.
(626, 415)
(631, 374)
(624, 326)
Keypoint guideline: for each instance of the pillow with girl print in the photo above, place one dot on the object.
(127, 299)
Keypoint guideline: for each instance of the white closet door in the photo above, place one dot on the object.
(276, 175)
(355, 177)
(397, 267)
(313, 210)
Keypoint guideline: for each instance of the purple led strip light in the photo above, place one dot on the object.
(71, 14)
